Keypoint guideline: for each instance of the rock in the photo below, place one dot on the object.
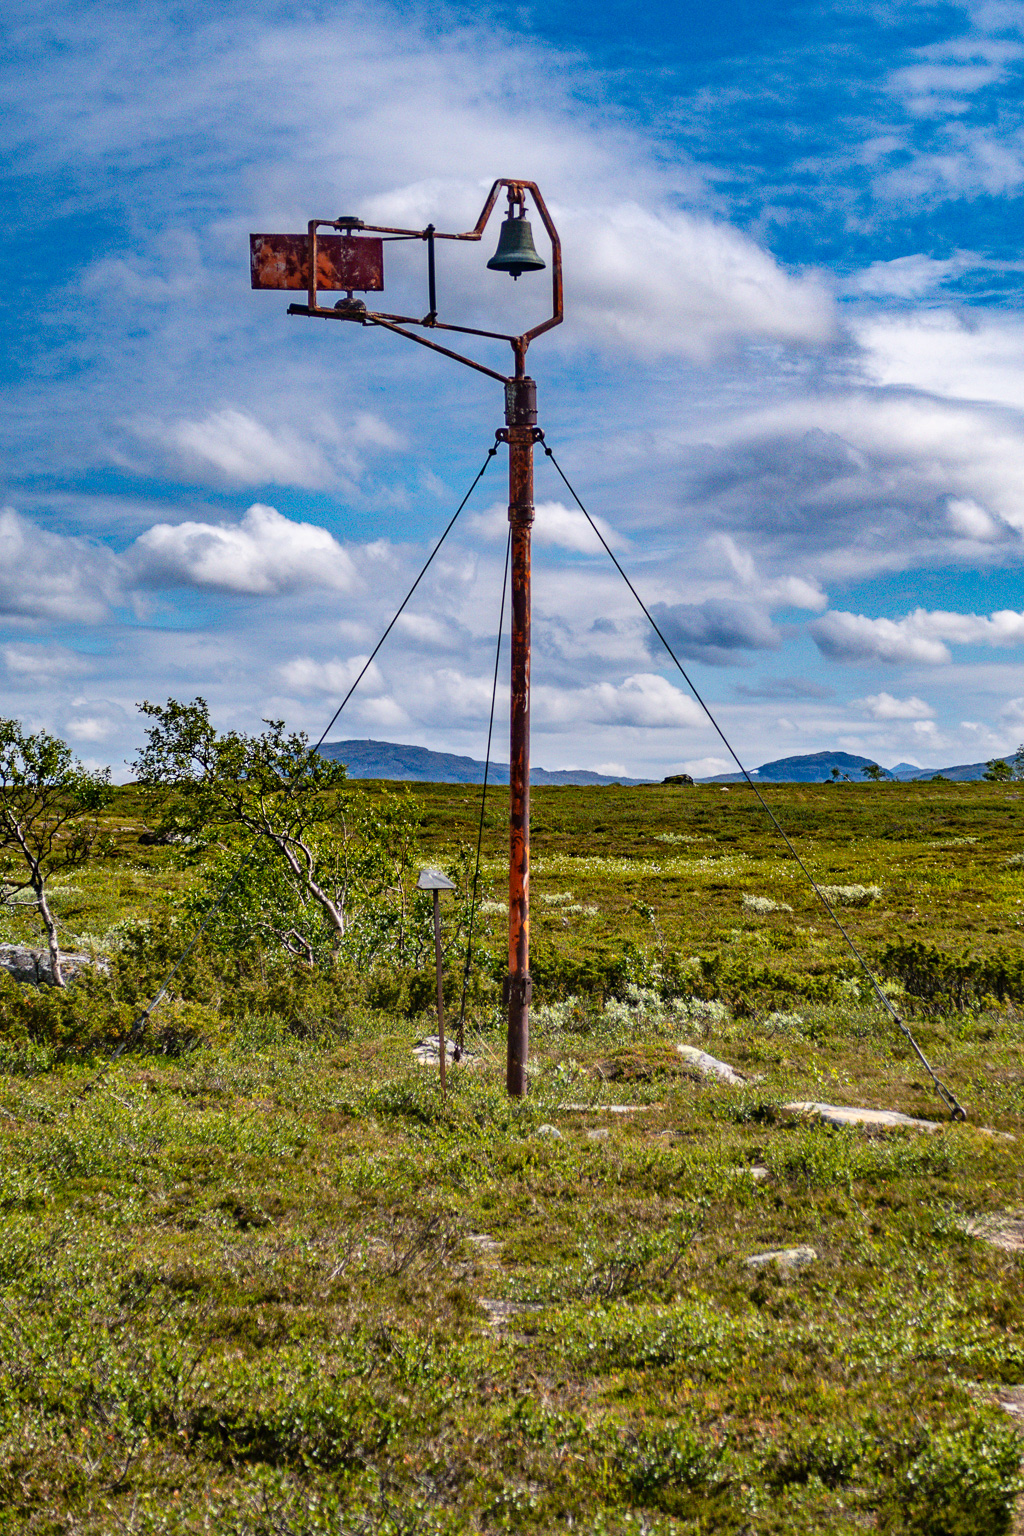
(785, 1258)
(32, 966)
(999, 1229)
(878, 1119)
(757, 1173)
(485, 1245)
(550, 1130)
(499, 1312)
(598, 1135)
(428, 1052)
(710, 1066)
(1011, 1399)
(849, 1114)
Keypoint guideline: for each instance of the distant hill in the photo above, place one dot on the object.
(962, 773)
(816, 767)
(418, 765)
(811, 768)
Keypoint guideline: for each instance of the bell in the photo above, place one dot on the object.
(516, 251)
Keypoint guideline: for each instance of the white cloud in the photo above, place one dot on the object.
(944, 353)
(883, 706)
(264, 553)
(555, 524)
(95, 720)
(657, 283)
(48, 576)
(37, 665)
(431, 632)
(716, 629)
(645, 699)
(967, 518)
(707, 767)
(919, 637)
(305, 676)
(239, 448)
(783, 592)
(940, 89)
(863, 476)
(906, 277)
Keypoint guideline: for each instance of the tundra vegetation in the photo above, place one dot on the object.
(257, 1278)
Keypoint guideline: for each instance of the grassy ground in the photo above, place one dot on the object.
(271, 1284)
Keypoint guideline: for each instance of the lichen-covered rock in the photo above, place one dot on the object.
(785, 1258)
(710, 1066)
(33, 967)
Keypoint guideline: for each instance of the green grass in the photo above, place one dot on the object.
(242, 1280)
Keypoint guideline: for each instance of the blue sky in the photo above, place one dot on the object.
(790, 381)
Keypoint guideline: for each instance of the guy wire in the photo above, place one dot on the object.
(950, 1100)
(144, 1017)
(461, 1038)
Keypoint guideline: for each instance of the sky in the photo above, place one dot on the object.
(789, 385)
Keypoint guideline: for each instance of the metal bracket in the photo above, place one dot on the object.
(536, 436)
(517, 989)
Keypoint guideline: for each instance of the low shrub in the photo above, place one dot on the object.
(937, 982)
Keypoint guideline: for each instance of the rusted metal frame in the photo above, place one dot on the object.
(388, 325)
(422, 341)
(556, 268)
(519, 344)
(469, 330)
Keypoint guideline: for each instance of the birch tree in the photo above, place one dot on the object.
(300, 850)
(49, 805)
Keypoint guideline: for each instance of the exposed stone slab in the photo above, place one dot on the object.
(500, 1313)
(550, 1130)
(878, 1119)
(710, 1066)
(785, 1258)
(486, 1246)
(999, 1229)
(850, 1114)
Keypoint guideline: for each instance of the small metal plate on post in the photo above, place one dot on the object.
(433, 880)
(347, 263)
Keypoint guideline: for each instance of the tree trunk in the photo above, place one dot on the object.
(51, 934)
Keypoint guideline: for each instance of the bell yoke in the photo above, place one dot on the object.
(350, 259)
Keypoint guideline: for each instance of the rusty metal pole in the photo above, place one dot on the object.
(521, 417)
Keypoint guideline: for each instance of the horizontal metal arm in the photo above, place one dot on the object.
(388, 325)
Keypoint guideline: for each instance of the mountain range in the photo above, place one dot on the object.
(392, 760)
(395, 760)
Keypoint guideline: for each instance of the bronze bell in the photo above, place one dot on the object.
(516, 251)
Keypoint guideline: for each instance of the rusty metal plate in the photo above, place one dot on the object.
(342, 261)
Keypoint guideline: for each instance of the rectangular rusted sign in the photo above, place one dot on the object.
(347, 262)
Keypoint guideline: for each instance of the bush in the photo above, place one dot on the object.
(937, 982)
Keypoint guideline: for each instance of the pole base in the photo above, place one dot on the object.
(518, 992)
